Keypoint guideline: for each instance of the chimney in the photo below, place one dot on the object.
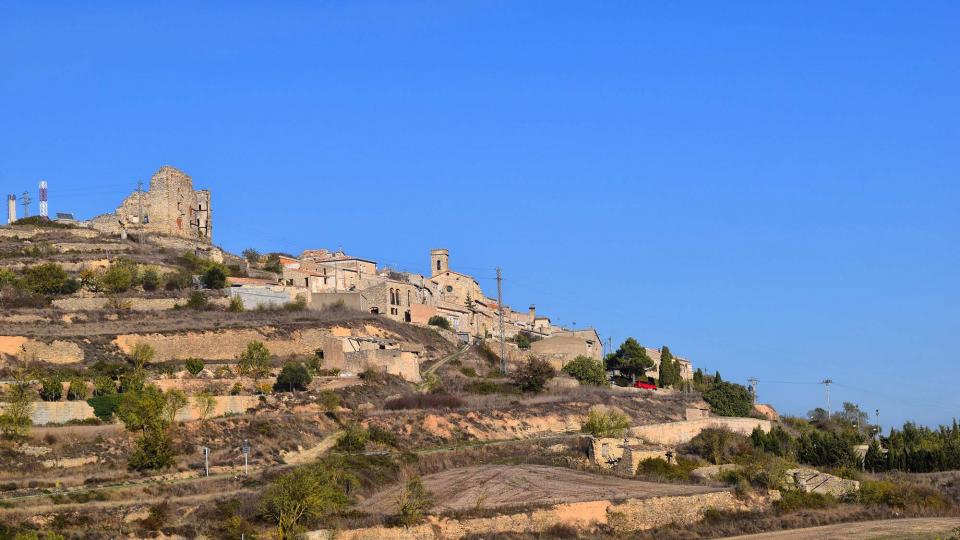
(11, 209)
(533, 313)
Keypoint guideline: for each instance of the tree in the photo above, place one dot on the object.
(413, 501)
(874, 460)
(205, 403)
(273, 264)
(698, 376)
(522, 341)
(605, 422)
(15, 416)
(254, 361)
(669, 369)
(142, 354)
(304, 494)
(251, 255)
(215, 278)
(716, 378)
(587, 370)
(533, 375)
(77, 389)
(293, 376)
(729, 399)
(631, 359)
(51, 388)
(47, 278)
(150, 412)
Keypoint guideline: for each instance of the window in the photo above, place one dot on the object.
(449, 288)
(408, 298)
(438, 264)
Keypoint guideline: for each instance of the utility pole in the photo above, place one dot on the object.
(826, 383)
(246, 454)
(25, 201)
(503, 347)
(140, 204)
(206, 460)
(753, 388)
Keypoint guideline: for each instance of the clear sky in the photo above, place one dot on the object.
(769, 188)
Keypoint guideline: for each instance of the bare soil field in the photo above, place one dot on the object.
(913, 528)
(493, 486)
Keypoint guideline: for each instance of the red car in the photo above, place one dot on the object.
(645, 385)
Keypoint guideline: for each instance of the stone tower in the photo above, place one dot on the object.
(439, 261)
(171, 207)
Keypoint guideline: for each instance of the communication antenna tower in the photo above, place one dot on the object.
(753, 387)
(826, 384)
(25, 201)
(43, 199)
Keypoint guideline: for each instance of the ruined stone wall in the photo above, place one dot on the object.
(55, 352)
(61, 412)
(622, 518)
(170, 207)
(561, 349)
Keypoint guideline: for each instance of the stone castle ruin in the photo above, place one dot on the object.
(169, 207)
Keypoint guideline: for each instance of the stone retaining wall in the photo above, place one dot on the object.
(623, 518)
(61, 412)
(674, 433)
(55, 352)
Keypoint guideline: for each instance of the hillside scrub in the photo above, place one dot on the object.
(532, 375)
(293, 376)
(304, 496)
(440, 322)
(587, 371)
(718, 445)
(605, 422)
(728, 399)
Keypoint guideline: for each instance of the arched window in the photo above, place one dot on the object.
(391, 297)
(438, 264)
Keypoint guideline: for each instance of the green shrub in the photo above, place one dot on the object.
(104, 386)
(440, 322)
(729, 399)
(382, 436)
(353, 439)
(51, 388)
(293, 376)
(215, 277)
(77, 389)
(489, 387)
(825, 449)
(902, 496)
(118, 277)
(587, 370)
(658, 468)
(414, 500)
(197, 301)
(468, 371)
(104, 406)
(254, 361)
(718, 445)
(47, 278)
(604, 422)
(236, 389)
(193, 365)
(150, 281)
(533, 375)
(236, 305)
(329, 400)
(793, 500)
(299, 303)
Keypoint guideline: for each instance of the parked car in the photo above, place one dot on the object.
(645, 385)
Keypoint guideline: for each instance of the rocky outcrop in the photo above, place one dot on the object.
(814, 481)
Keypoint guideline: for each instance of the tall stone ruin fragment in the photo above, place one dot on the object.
(169, 207)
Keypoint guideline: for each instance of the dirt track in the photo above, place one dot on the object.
(887, 529)
(492, 486)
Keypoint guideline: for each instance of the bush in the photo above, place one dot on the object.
(413, 502)
(236, 389)
(382, 436)
(150, 279)
(293, 376)
(254, 361)
(718, 445)
(236, 305)
(533, 375)
(729, 399)
(353, 439)
(299, 303)
(193, 365)
(485, 388)
(825, 449)
(659, 469)
(587, 370)
(197, 301)
(118, 277)
(47, 278)
(104, 386)
(51, 388)
(522, 341)
(77, 390)
(175, 281)
(104, 406)
(793, 500)
(468, 371)
(215, 278)
(604, 422)
(329, 400)
(440, 322)
(439, 400)
(901, 496)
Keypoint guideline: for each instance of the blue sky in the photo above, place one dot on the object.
(770, 189)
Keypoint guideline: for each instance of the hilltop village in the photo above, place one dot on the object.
(154, 385)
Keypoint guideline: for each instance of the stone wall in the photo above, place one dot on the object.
(623, 518)
(674, 433)
(61, 412)
(226, 344)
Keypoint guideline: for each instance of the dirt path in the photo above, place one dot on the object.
(442, 361)
(886, 529)
(311, 454)
(493, 486)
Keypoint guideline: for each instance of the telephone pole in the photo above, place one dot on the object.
(753, 388)
(25, 201)
(503, 347)
(826, 384)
